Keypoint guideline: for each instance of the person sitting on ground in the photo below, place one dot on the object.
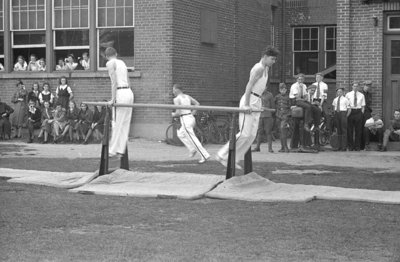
(85, 62)
(282, 105)
(393, 132)
(5, 125)
(59, 123)
(34, 119)
(266, 123)
(47, 121)
(61, 65)
(85, 121)
(42, 64)
(33, 64)
(70, 63)
(46, 95)
(72, 118)
(20, 65)
(374, 127)
(97, 125)
(33, 95)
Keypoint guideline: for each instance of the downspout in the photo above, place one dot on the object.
(283, 51)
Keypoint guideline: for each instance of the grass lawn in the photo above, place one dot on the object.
(39, 223)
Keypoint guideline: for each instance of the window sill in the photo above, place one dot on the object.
(57, 74)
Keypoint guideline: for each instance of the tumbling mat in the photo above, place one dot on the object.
(138, 184)
(252, 187)
(47, 178)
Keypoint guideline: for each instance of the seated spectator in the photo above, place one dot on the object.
(72, 118)
(393, 132)
(84, 122)
(61, 65)
(42, 64)
(374, 127)
(33, 64)
(97, 125)
(70, 63)
(1, 67)
(5, 125)
(33, 95)
(46, 95)
(59, 122)
(47, 121)
(34, 120)
(85, 62)
(21, 65)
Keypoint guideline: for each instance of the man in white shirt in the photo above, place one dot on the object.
(354, 121)
(321, 95)
(298, 92)
(341, 107)
(374, 127)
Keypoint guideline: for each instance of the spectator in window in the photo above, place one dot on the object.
(61, 65)
(18, 118)
(21, 65)
(59, 122)
(85, 121)
(72, 118)
(47, 121)
(5, 125)
(1, 67)
(42, 64)
(70, 62)
(85, 62)
(46, 95)
(64, 93)
(34, 94)
(34, 119)
(97, 125)
(33, 64)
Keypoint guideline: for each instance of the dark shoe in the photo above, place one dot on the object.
(255, 149)
(384, 149)
(270, 150)
(281, 150)
(85, 142)
(379, 147)
(30, 140)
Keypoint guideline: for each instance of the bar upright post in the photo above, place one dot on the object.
(104, 145)
(230, 170)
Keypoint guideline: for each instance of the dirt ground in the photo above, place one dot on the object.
(39, 223)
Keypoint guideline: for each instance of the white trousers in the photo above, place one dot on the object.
(121, 122)
(248, 126)
(188, 138)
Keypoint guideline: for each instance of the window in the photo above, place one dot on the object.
(71, 28)
(394, 23)
(330, 46)
(115, 28)
(305, 50)
(28, 29)
(2, 32)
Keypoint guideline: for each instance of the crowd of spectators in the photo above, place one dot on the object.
(54, 115)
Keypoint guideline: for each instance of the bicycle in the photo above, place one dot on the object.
(171, 135)
(215, 130)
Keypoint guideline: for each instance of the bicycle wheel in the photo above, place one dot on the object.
(200, 135)
(171, 136)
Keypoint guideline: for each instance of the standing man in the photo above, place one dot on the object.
(5, 125)
(316, 114)
(266, 122)
(34, 119)
(341, 106)
(186, 133)
(321, 95)
(368, 109)
(298, 92)
(355, 119)
(120, 93)
(248, 123)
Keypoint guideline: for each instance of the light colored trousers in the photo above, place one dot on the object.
(121, 122)
(188, 138)
(248, 126)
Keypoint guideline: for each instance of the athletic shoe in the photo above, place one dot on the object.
(203, 160)
(192, 154)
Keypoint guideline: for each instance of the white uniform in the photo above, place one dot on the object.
(248, 123)
(121, 115)
(186, 132)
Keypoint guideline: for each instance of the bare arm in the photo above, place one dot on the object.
(111, 72)
(194, 102)
(254, 77)
(177, 103)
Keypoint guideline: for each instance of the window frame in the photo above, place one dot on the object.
(23, 30)
(26, 46)
(325, 40)
(72, 47)
(2, 8)
(304, 51)
(388, 23)
(103, 27)
(70, 28)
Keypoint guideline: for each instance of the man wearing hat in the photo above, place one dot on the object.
(5, 125)
(368, 108)
(341, 106)
(355, 119)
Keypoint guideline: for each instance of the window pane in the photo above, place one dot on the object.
(121, 39)
(120, 2)
(297, 45)
(102, 17)
(32, 19)
(314, 45)
(66, 19)
(57, 18)
(110, 17)
(120, 17)
(41, 21)
(74, 14)
(15, 20)
(110, 3)
(306, 63)
(329, 45)
(72, 38)
(129, 16)
(306, 45)
(395, 48)
(394, 22)
(1, 44)
(395, 65)
(129, 3)
(297, 33)
(27, 52)
(84, 22)
(314, 33)
(63, 54)
(24, 20)
(329, 32)
(28, 14)
(75, 18)
(101, 3)
(330, 59)
(29, 38)
(306, 33)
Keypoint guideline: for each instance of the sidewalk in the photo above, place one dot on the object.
(147, 150)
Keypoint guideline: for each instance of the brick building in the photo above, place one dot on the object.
(208, 46)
